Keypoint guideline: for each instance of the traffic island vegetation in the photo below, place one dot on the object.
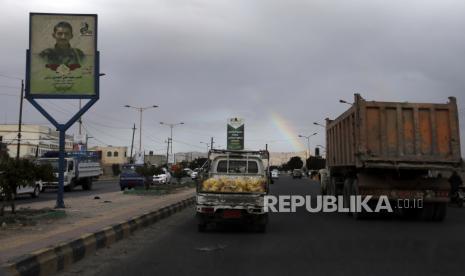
(29, 217)
(161, 189)
(15, 173)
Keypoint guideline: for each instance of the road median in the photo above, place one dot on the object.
(90, 224)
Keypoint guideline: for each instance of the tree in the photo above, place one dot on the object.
(148, 172)
(21, 172)
(198, 162)
(178, 172)
(295, 163)
(316, 163)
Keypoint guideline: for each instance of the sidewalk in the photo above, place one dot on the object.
(83, 215)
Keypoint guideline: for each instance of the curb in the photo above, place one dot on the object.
(57, 258)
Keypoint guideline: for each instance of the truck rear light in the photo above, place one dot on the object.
(208, 210)
(442, 194)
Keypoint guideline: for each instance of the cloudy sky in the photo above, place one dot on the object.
(280, 65)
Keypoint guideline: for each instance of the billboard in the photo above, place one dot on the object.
(235, 134)
(62, 56)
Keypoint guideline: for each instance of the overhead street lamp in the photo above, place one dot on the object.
(323, 147)
(345, 102)
(171, 128)
(318, 124)
(141, 110)
(207, 144)
(308, 143)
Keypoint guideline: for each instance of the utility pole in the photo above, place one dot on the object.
(20, 119)
(211, 143)
(80, 119)
(132, 143)
(87, 141)
(171, 132)
(168, 151)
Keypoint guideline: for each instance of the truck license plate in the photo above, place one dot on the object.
(232, 214)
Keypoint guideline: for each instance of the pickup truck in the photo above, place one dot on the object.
(232, 187)
(79, 170)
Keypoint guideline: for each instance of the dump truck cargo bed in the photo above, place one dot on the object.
(397, 135)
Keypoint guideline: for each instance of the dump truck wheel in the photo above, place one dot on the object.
(346, 192)
(261, 228)
(331, 190)
(355, 192)
(201, 227)
(440, 211)
(428, 211)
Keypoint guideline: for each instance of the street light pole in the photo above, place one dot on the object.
(308, 143)
(171, 132)
(140, 130)
(141, 110)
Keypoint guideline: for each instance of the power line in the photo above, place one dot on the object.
(185, 143)
(10, 77)
(8, 95)
(93, 137)
(7, 86)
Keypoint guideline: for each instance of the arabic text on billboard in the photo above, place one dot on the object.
(235, 134)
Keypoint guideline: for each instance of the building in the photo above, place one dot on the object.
(155, 159)
(279, 158)
(35, 140)
(189, 156)
(112, 155)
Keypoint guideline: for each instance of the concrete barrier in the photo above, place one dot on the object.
(57, 258)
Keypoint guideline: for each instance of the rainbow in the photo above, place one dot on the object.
(287, 131)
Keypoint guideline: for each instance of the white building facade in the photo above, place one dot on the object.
(35, 140)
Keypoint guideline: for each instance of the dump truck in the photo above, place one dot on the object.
(231, 188)
(391, 149)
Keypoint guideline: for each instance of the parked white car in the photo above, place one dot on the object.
(194, 175)
(274, 174)
(164, 178)
(188, 171)
(33, 191)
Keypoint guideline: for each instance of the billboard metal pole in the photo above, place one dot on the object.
(61, 169)
(20, 122)
(50, 76)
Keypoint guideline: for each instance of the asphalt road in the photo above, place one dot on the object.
(98, 187)
(295, 244)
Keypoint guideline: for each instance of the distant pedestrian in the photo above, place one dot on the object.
(455, 182)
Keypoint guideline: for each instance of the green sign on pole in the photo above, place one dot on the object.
(235, 136)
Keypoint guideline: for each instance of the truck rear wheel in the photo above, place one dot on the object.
(261, 228)
(434, 211)
(331, 189)
(70, 186)
(201, 227)
(355, 192)
(440, 211)
(346, 192)
(87, 185)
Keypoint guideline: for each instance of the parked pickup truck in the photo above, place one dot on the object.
(232, 188)
(80, 169)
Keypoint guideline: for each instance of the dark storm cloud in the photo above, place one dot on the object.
(205, 61)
